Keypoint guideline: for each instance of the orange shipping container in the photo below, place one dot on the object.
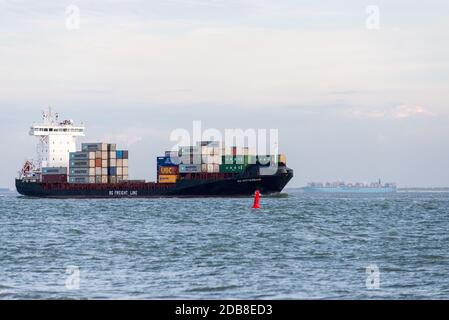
(164, 178)
(168, 170)
(98, 162)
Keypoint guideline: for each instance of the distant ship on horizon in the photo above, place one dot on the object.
(342, 187)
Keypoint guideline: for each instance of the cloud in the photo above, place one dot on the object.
(396, 112)
(131, 136)
(405, 111)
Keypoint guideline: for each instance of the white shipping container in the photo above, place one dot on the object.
(104, 171)
(112, 154)
(211, 159)
(119, 171)
(125, 163)
(91, 171)
(92, 163)
(104, 179)
(92, 155)
(112, 162)
(97, 154)
(119, 162)
(125, 171)
(91, 179)
(104, 155)
(98, 171)
(104, 163)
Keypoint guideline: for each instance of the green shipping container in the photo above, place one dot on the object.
(239, 159)
(232, 168)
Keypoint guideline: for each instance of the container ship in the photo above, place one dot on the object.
(342, 187)
(100, 170)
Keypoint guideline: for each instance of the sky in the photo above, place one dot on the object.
(358, 90)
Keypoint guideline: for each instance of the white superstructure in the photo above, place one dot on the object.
(56, 140)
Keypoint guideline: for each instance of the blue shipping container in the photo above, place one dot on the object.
(112, 171)
(168, 161)
(164, 161)
(119, 154)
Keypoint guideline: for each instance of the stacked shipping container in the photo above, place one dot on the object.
(98, 163)
(54, 175)
(210, 157)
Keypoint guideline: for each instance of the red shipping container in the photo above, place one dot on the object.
(98, 162)
(54, 178)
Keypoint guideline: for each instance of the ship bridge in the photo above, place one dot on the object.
(56, 140)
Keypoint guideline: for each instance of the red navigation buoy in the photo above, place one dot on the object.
(256, 204)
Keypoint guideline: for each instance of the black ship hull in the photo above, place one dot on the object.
(238, 185)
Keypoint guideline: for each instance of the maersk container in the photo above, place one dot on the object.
(79, 163)
(189, 168)
(79, 155)
(54, 170)
(79, 172)
(78, 179)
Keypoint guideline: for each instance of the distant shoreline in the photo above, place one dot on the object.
(407, 189)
